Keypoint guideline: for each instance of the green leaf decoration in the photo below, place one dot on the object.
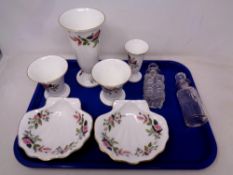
(39, 122)
(85, 41)
(35, 147)
(115, 149)
(36, 138)
(155, 122)
(81, 121)
(114, 141)
(36, 125)
(149, 122)
(150, 132)
(95, 42)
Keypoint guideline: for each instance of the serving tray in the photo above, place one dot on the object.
(187, 148)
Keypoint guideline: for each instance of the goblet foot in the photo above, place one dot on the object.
(64, 93)
(109, 101)
(136, 77)
(85, 79)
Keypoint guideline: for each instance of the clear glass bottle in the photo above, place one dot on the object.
(153, 87)
(190, 102)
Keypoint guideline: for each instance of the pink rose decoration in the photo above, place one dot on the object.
(27, 141)
(84, 129)
(37, 116)
(105, 142)
(140, 117)
(46, 149)
(77, 40)
(96, 35)
(157, 128)
(77, 116)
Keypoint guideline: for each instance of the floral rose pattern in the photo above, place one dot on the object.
(37, 119)
(60, 150)
(34, 141)
(111, 143)
(31, 141)
(110, 122)
(51, 87)
(83, 125)
(113, 91)
(133, 63)
(146, 150)
(92, 38)
(154, 129)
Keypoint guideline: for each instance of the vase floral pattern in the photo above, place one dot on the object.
(135, 62)
(93, 39)
(51, 87)
(152, 128)
(34, 142)
(112, 93)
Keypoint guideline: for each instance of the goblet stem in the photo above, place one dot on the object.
(108, 96)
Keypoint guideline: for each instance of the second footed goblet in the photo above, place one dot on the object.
(111, 74)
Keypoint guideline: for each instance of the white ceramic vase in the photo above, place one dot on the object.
(83, 27)
(136, 50)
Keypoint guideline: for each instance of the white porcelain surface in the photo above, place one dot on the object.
(64, 93)
(85, 79)
(136, 46)
(49, 71)
(83, 28)
(131, 132)
(111, 74)
(136, 77)
(81, 19)
(109, 101)
(136, 50)
(55, 130)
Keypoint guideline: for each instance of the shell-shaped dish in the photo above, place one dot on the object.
(131, 132)
(55, 130)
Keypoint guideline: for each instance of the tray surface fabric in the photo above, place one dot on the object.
(187, 148)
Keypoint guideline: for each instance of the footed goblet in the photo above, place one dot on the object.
(111, 74)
